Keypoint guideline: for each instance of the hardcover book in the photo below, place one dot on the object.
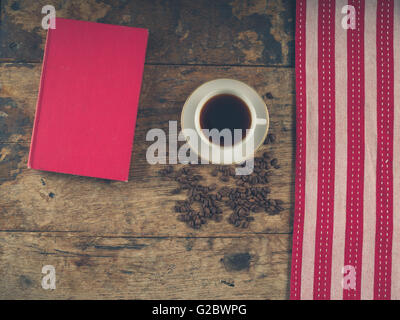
(88, 99)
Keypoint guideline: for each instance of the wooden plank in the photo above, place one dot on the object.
(131, 268)
(256, 32)
(44, 201)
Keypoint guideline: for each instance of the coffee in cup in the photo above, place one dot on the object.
(225, 111)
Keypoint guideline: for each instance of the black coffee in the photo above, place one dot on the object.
(225, 111)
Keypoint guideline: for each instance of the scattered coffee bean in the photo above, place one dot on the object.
(266, 155)
(271, 138)
(269, 95)
(246, 198)
(224, 178)
(245, 224)
(176, 191)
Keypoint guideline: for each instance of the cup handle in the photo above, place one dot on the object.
(261, 121)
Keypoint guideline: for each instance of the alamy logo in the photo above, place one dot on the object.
(49, 20)
(49, 280)
(349, 277)
(157, 151)
(349, 20)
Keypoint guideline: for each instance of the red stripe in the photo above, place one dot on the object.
(326, 149)
(355, 149)
(384, 167)
(301, 112)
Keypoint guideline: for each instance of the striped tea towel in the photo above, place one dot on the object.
(346, 238)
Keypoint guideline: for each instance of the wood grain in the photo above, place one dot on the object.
(121, 240)
(144, 268)
(255, 32)
(45, 201)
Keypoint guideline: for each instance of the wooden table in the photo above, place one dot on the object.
(122, 240)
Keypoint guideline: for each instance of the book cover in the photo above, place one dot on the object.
(88, 99)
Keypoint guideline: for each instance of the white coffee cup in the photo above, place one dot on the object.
(238, 152)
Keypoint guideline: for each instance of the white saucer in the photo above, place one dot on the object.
(260, 120)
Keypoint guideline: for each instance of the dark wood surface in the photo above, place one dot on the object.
(122, 240)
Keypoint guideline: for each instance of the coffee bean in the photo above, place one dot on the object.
(250, 195)
(272, 137)
(274, 211)
(254, 180)
(224, 178)
(266, 190)
(240, 183)
(224, 191)
(176, 191)
(269, 95)
(245, 224)
(274, 162)
(242, 212)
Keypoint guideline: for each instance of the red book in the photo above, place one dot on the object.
(88, 99)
